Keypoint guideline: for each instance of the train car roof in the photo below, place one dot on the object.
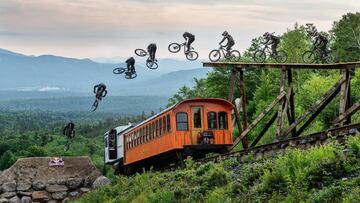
(176, 105)
(121, 129)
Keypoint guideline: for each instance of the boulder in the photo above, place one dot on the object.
(74, 194)
(100, 182)
(9, 186)
(38, 185)
(3, 200)
(65, 200)
(84, 190)
(23, 186)
(40, 196)
(74, 183)
(56, 188)
(8, 195)
(59, 195)
(15, 199)
(26, 199)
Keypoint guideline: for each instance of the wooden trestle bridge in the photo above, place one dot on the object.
(284, 102)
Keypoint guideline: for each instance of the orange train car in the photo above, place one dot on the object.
(191, 127)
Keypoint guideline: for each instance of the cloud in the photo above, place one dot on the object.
(92, 28)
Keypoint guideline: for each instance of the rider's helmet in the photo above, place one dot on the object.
(225, 33)
(102, 85)
(311, 29)
(266, 34)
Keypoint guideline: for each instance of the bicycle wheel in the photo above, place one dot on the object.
(214, 55)
(152, 65)
(259, 56)
(192, 55)
(119, 70)
(174, 47)
(308, 57)
(329, 59)
(131, 76)
(281, 57)
(140, 52)
(234, 55)
(95, 105)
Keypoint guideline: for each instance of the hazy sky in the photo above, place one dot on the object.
(114, 28)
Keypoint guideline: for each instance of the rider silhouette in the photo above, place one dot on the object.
(151, 50)
(99, 90)
(320, 40)
(189, 38)
(69, 130)
(230, 41)
(130, 63)
(273, 41)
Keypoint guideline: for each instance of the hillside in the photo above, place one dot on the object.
(60, 74)
(120, 105)
(326, 173)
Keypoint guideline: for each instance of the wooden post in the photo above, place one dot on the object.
(344, 95)
(232, 84)
(281, 105)
(291, 116)
(243, 98)
(236, 112)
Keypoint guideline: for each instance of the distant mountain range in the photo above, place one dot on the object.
(47, 73)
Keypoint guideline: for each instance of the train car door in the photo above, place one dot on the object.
(112, 144)
(197, 122)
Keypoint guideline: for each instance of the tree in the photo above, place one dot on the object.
(7, 160)
(295, 42)
(346, 33)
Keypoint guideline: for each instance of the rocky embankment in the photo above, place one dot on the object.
(33, 180)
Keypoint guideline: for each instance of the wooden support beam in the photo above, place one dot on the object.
(350, 111)
(344, 94)
(280, 116)
(316, 108)
(258, 119)
(232, 84)
(264, 130)
(243, 98)
(291, 113)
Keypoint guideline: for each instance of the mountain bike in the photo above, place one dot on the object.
(152, 64)
(98, 98)
(191, 55)
(261, 55)
(128, 74)
(215, 54)
(70, 134)
(315, 54)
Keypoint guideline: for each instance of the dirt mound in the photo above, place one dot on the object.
(37, 168)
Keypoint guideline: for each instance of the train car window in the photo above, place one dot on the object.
(160, 126)
(168, 128)
(152, 131)
(223, 120)
(164, 125)
(147, 132)
(197, 117)
(141, 136)
(157, 128)
(181, 121)
(212, 122)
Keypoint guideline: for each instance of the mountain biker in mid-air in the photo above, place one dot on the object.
(273, 41)
(151, 50)
(230, 41)
(69, 131)
(99, 90)
(189, 38)
(130, 63)
(320, 40)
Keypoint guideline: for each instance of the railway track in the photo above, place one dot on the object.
(302, 142)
